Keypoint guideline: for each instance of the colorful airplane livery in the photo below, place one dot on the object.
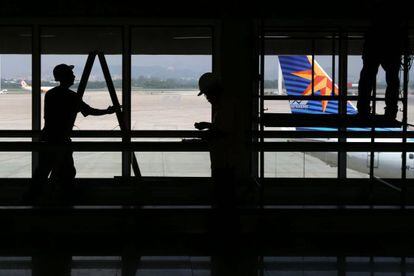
(297, 77)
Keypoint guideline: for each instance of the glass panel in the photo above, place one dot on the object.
(97, 164)
(357, 164)
(300, 164)
(100, 265)
(388, 164)
(96, 94)
(15, 266)
(15, 164)
(174, 266)
(166, 65)
(292, 266)
(15, 66)
(71, 46)
(195, 164)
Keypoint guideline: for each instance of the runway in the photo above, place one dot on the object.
(152, 110)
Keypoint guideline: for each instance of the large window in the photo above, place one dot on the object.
(301, 76)
(166, 65)
(299, 70)
(15, 100)
(71, 46)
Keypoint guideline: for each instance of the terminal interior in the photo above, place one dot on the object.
(317, 194)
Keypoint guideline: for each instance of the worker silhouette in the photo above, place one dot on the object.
(384, 44)
(224, 224)
(218, 136)
(61, 106)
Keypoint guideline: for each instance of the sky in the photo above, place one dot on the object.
(161, 66)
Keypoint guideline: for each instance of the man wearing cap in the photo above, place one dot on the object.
(61, 106)
(219, 134)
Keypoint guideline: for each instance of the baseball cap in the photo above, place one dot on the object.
(207, 82)
(62, 70)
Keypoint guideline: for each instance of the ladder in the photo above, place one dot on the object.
(112, 93)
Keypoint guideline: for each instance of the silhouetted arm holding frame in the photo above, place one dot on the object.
(86, 110)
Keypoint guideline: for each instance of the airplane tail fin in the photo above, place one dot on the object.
(297, 75)
(24, 85)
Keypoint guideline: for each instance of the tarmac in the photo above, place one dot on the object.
(151, 110)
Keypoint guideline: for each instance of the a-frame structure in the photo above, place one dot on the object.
(112, 93)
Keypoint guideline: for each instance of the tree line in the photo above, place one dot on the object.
(145, 83)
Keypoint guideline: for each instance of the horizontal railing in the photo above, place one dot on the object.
(203, 146)
(318, 98)
(109, 133)
(199, 134)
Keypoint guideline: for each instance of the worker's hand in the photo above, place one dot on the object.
(112, 109)
(202, 125)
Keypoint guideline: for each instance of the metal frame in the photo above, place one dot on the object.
(36, 93)
(342, 104)
(261, 146)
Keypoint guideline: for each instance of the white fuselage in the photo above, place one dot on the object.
(386, 164)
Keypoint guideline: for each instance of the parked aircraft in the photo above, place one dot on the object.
(297, 76)
(25, 86)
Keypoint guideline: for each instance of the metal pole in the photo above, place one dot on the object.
(261, 106)
(313, 67)
(115, 101)
(85, 74)
(404, 128)
(36, 93)
(126, 99)
(372, 153)
(343, 68)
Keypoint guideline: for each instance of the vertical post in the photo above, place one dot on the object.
(126, 98)
(261, 266)
(36, 93)
(372, 153)
(343, 93)
(261, 106)
(341, 263)
(404, 125)
(313, 66)
(115, 102)
(403, 266)
(85, 74)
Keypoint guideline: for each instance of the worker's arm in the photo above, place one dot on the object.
(203, 125)
(87, 110)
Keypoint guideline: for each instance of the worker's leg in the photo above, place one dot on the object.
(63, 174)
(39, 183)
(391, 66)
(366, 84)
